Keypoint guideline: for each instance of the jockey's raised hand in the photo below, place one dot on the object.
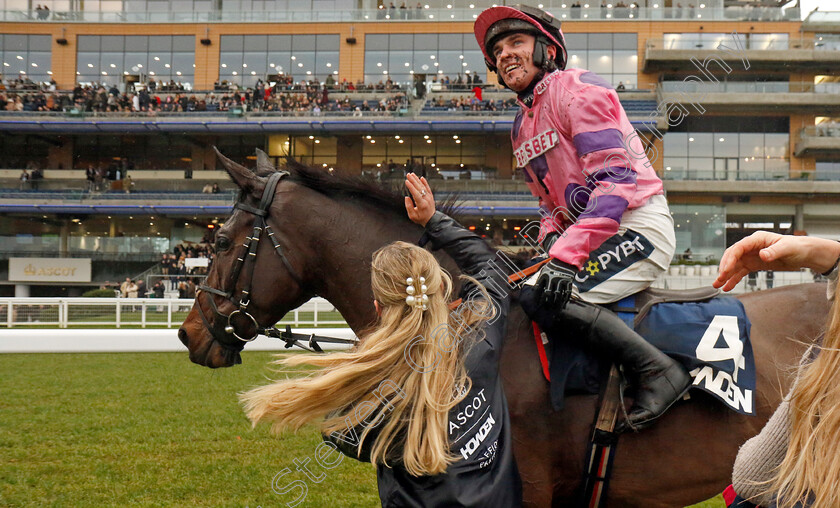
(423, 207)
(763, 250)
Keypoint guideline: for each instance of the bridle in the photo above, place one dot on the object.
(249, 250)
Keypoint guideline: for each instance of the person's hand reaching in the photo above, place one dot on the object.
(771, 251)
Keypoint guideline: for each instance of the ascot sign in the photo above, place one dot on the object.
(49, 270)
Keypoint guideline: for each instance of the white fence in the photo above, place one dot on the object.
(134, 313)
(317, 312)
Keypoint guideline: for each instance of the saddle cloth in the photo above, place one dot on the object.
(711, 339)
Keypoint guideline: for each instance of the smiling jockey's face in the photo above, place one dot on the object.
(514, 56)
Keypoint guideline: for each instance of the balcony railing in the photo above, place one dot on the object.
(559, 8)
(750, 87)
(680, 43)
(708, 174)
(826, 129)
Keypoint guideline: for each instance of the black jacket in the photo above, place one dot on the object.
(479, 426)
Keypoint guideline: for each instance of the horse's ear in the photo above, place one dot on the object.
(241, 176)
(264, 162)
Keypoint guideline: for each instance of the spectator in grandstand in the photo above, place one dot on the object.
(571, 138)
(207, 189)
(127, 184)
(35, 178)
(141, 288)
(215, 189)
(90, 176)
(124, 287)
(158, 289)
(24, 179)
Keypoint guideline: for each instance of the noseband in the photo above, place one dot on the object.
(249, 250)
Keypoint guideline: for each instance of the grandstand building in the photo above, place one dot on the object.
(736, 101)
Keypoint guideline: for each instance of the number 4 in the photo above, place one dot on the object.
(707, 352)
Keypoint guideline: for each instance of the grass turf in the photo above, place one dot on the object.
(153, 429)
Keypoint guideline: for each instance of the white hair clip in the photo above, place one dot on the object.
(420, 301)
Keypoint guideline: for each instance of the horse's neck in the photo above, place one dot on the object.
(354, 235)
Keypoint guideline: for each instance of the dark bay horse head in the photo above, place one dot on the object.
(315, 226)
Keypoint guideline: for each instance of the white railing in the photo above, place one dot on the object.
(317, 312)
(135, 313)
(680, 278)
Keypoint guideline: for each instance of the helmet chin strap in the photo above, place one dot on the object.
(527, 95)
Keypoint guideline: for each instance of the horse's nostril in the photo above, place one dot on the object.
(182, 335)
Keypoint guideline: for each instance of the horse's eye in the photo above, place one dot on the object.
(222, 243)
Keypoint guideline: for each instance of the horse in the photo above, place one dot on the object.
(326, 227)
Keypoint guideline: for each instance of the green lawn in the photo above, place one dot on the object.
(152, 429)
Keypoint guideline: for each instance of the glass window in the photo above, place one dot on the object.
(183, 43)
(377, 41)
(13, 42)
(451, 41)
(139, 43)
(87, 62)
(112, 63)
(600, 41)
(157, 60)
(726, 144)
(113, 43)
(160, 43)
(675, 144)
(326, 62)
(279, 43)
(625, 62)
(40, 43)
(256, 43)
(397, 61)
(578, 60)
(231, 43)
(375, 62)
(751, 146)
(600, 62)
(326, 42)
(136, 61)
(425, 42)
(279, 61)
(183, 62)
(625, 41)
(575, 42)
(700, 144)
(303, 43)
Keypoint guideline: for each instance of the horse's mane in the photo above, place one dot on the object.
(337, 185)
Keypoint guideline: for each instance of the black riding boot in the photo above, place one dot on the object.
(659, 380)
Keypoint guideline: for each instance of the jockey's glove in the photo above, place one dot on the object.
(555, 283)
(548, 241)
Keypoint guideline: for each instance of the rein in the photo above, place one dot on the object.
(249, 250)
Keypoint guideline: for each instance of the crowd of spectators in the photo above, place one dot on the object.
(473, 104)
(403, 12)
(305, 97)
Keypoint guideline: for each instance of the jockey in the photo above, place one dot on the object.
(605, 221)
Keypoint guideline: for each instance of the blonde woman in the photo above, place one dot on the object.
(795, 460)
(421, 396)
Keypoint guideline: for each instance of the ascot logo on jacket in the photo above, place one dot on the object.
(535, 147)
